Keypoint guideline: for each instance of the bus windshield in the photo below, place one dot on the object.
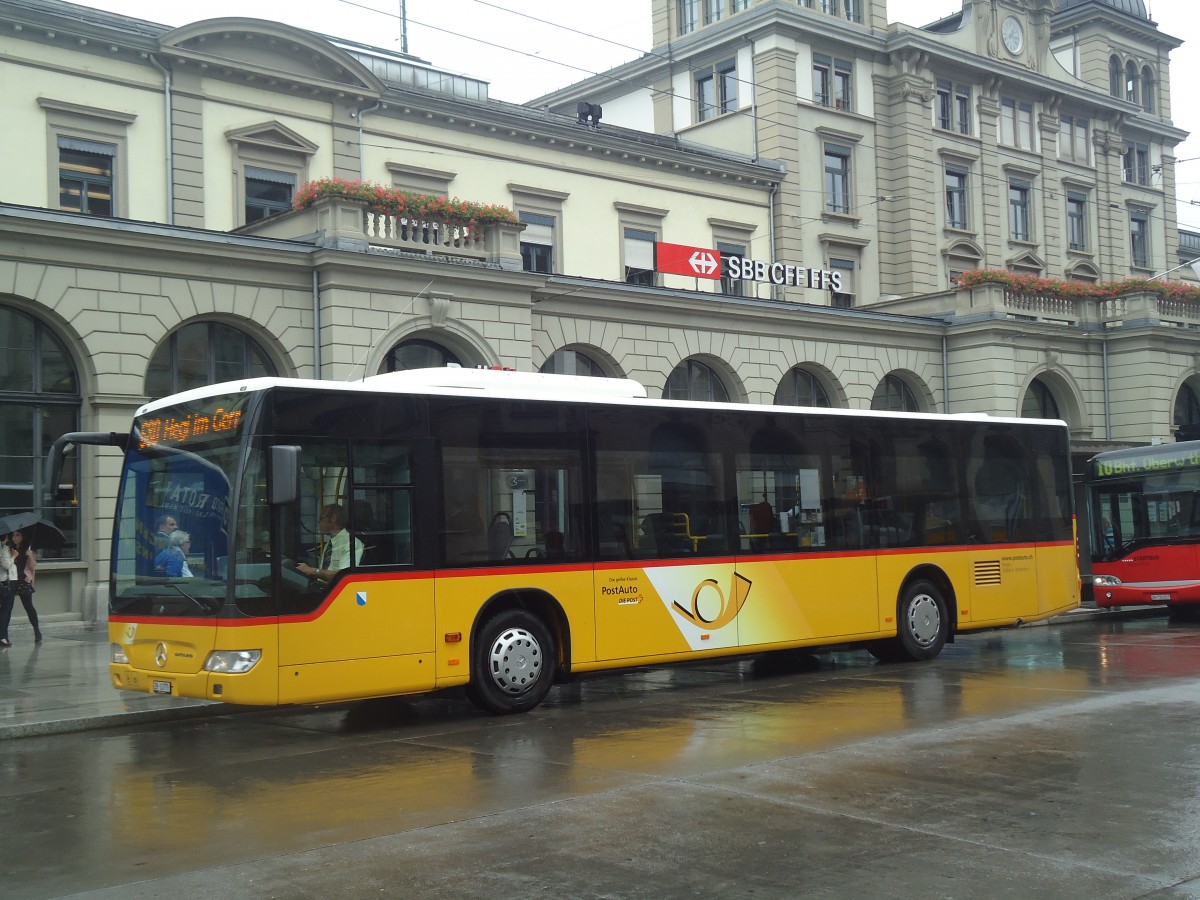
(1153, 509)
(171, 540)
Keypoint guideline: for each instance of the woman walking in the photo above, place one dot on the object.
(24, 561)
(7, 583)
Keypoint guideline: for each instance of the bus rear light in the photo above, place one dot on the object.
(232, 662)
(118, 655)
(1105, 580)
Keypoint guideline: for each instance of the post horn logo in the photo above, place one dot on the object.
(710, 609)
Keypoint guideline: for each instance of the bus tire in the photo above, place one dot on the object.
(512, 663)
(922, 625)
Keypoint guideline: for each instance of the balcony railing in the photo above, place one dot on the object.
(343, 224)
(996, 301)
(424, 235)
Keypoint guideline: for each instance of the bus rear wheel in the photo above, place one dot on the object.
(922, 625)
(512, 663)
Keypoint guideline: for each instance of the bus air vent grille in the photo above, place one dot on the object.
(987, 572)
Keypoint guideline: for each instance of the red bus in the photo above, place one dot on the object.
(1145, 526)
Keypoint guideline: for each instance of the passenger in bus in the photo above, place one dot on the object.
(164, 528)
(336, 553)
(172, 561)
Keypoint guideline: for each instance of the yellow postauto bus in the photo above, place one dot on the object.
(503, 531)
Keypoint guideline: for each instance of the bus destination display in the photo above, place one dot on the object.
(178, 428)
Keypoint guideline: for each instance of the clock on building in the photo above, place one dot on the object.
(1013, 35)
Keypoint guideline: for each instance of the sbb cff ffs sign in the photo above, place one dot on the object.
(701, 262)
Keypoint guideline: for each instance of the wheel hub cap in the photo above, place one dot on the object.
(924, 620)
(516, 661)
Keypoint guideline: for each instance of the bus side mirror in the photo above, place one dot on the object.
(283, 475)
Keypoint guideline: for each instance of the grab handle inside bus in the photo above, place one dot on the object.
(283, 475)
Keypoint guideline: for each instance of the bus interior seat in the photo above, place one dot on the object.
(500, 536)
(661, 537)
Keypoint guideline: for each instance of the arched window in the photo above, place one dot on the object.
(1039, 402)
(418, 354)
(893, 395)
(1147, 89)
(1131, 82)
(571, 362)
(39, 402)
(1187, 414)
(801, 387)
(202, 353)
(1114, 77)
(693, 380)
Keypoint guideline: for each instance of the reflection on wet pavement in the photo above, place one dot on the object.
(1048, 761)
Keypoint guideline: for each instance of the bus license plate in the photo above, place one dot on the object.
(162, 687)
(1160, 596)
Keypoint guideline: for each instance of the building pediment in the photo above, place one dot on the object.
(273, 135)
(1081, 270)
(268, 54)
(965, 248)
(1027, 260)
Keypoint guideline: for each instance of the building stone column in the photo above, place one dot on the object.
(909, 226)
(778, 127)
(992, 212)
(1111, 215)
(1053, 206)
(187, 149)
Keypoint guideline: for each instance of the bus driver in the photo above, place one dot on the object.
(336, 554)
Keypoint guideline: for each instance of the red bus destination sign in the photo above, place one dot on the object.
(701, 262)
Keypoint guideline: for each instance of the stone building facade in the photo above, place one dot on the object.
(146, 242)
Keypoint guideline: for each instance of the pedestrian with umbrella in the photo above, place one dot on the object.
(8, 570)
(23, 530)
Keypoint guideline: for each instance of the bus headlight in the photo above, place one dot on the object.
(1105, 580)
(232, 662)
(118, 655)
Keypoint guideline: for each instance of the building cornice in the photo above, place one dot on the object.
(523, 126)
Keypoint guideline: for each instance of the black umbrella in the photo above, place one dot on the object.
(37, 531)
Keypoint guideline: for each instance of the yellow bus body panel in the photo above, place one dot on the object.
(183, 649)
(461, 594)
(387, 634)
(809, 599)
(363, 618)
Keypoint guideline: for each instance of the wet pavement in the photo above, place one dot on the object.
(1045, 761)
(62, 685)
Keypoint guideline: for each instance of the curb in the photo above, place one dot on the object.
(1092, 613)
(110, 720)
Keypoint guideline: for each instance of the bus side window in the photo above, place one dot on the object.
(381, 510)
(999, 493)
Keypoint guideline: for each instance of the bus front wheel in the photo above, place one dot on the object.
(922, 625)
(512, 663)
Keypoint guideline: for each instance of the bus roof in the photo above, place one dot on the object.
(511, 384)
